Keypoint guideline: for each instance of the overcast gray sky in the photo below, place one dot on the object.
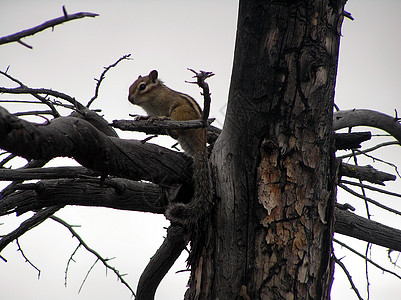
(169, 36)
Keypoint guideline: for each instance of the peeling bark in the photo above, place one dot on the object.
(274, 160)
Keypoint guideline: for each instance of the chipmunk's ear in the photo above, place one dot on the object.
(153, 75)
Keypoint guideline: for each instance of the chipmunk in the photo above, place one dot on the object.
(158, 100)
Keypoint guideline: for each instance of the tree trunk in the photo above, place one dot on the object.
(270, 234)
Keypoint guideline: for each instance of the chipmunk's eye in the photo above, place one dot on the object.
(142, 86)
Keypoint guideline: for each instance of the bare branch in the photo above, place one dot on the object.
(74, 137)
(90, 270)
(200, 81)
(370, 188)
(375, 147)
(351, 140)
(350, 224)
(156, 126)
(46, 173)
(343, 267)
(16, 37)
(28, 224)
(369, 199)
(366, 259)
(161, 262)
(27, 90)
(383, 161)
(43, 100)
(98, 256)
(102, 76)
(68, 264)
(367, 173)
(27, 259)
(114, 193)
(371, 118)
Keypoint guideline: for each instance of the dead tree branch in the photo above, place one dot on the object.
(114, 193)
(350, 140)
(16, 37)
(364, 151)
(26, 258)
(344, 268)
(365, 117)
(38, 91)
(157, 126)
(77, 138)
(369, 200)
(28, 224)
(98, 256)
(43, 100)
(161, 262)
(46, 173)
(350, 224)
(367, 173)
(200, 81)
(366, 259)
(102, 76)
(365, 186)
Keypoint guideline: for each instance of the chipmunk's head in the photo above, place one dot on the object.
(142, 89)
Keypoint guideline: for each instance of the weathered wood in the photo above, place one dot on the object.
(365, 117)
(270, 236)
(350, 140)
(114, 193)
(367, 173)
(161, 262)
(350, 224)
(79, 139)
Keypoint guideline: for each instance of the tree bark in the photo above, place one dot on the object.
(77, 138)
(367, 230)
(270, 235)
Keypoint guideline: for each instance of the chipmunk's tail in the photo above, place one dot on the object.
(202, 200)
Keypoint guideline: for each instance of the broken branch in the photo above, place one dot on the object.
(16, 37)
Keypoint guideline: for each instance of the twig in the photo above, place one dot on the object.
(362, 189)
(102, 76)
(98, 256)
(87, 275)
(359, 152)
(370, 187)
(27, 90)
(40, 98)
(394, 262)
(28, 224)
(200, 81)
(34, 113)
(365, 258)
(7, 159)
(68, 264)
(24, 44)
(369, 199)
(384, 162)
(26, 259)
(344, 268)
(16, 37)
(348, 15)
(368, 249)
(20, 101)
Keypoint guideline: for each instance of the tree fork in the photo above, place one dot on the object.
(270, 236)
